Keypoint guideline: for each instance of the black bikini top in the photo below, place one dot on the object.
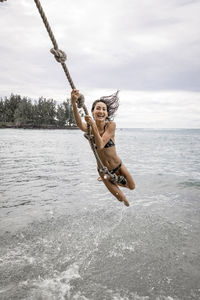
(110, 143)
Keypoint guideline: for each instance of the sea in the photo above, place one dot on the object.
(64, 236)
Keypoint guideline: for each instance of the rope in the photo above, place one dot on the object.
(61, 57)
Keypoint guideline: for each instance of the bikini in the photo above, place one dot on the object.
(120, 179)
(110, 143)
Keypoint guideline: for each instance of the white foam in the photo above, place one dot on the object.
(56, 287)
(166, 298)
(134, 296)
(120, 248)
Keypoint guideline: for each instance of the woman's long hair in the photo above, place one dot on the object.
(112, 104)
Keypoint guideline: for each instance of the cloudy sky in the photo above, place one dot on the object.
(147, 49)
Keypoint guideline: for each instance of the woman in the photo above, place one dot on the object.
(103, 130)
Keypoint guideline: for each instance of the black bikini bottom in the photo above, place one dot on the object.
(116, 169)
(120, 179)
(113, 171)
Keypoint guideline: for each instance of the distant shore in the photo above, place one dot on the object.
(30, 126)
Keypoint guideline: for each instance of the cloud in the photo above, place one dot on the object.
(161, 109)
(142, 48)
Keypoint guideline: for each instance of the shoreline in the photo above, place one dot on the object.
(7, 126)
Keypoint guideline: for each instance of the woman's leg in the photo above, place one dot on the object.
(114, 189)
(130, 182)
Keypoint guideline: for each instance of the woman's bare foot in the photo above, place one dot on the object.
(99, 178)
(126, 202)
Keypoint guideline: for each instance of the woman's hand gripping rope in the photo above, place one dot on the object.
(75, 95)
(89, 120)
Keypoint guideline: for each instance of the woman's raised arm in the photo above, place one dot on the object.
(74, 97)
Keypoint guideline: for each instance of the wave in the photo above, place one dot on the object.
(190, 184)
(15, 205)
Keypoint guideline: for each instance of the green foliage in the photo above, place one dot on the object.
(8, 107)
(61, 115)
(23, 112)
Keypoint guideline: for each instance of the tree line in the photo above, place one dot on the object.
(17, 111)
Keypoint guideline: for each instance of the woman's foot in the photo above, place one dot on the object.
(126, 202)
(99, 178)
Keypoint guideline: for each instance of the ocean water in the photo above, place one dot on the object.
(64, 236)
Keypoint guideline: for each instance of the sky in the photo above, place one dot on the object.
(147, 49)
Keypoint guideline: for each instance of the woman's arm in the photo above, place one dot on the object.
(74, 97)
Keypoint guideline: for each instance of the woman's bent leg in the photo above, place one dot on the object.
(130, 182)
(114, 189)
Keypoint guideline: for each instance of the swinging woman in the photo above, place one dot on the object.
(103, 130)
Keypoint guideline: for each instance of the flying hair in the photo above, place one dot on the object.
(111, 102)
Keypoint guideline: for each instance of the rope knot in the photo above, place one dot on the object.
(104, 170)
(80, 101)
(59, 55)
(113, 178)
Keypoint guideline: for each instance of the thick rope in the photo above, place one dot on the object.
(61, 57)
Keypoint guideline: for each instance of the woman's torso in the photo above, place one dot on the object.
(108, 154)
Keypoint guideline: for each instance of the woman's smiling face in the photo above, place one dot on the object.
(100, 112)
